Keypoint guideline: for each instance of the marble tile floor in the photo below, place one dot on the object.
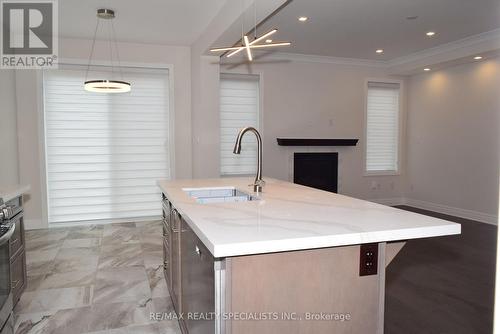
(95, 279)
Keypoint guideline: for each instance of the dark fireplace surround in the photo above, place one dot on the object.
(316, 169)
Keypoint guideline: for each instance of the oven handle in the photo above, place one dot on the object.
(5, 238)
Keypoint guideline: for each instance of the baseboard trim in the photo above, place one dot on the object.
(453, 211)
(389, 201)
(104, 222)
(439, 208)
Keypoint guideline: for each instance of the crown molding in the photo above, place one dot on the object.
(487, 41)
(305, 58)
(491, 37)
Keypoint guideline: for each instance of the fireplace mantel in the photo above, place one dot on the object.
(316, 142)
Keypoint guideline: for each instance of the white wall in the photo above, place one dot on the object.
(205, 117)
(28, 114)
(453, 137)
(8, 135)
(325, 100)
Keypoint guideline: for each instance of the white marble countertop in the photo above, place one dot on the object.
(292, 217)
(9, 192)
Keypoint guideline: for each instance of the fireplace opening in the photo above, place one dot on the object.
(317, 170)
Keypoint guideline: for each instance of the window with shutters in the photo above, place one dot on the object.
(239, 107)
(105, 152)
(382, 128)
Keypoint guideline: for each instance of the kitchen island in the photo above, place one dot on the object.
(291, 259)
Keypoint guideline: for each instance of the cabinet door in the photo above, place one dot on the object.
(166, 264)
(198, 290)
(18, 275)
(16, 242)
(175, 256)
(167, 208)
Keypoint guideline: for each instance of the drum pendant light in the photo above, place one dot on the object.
(109, 85)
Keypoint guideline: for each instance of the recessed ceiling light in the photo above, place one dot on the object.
(478, 58)
(303, 18)
(430, 33)
(379, 51)
(427, 69)
(414, 17)
(269, 40)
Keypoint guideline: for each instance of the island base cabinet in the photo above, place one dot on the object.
(295, 292)
(198, 292)
(301, 292)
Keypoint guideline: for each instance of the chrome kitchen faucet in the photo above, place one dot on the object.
(258, 183)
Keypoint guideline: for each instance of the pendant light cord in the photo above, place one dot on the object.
(111, 35)
(242, 19)
(255, 19)
(116, 47)
(110, 44)
(92, 50)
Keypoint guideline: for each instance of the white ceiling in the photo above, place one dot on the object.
(174, 22)
(356, 28)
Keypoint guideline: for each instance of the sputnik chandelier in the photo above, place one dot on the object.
(248, 46)
(245, 41)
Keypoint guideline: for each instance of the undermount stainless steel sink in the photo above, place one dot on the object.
(219, 195)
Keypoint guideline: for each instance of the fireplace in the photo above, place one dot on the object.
(317, 170)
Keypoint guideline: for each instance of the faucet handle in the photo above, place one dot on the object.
(260, 182)
(258, 185)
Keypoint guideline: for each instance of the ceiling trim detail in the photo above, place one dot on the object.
(492, 36)
(326, 59)
(487, 41)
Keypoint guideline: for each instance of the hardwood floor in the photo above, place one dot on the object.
(443, 285)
